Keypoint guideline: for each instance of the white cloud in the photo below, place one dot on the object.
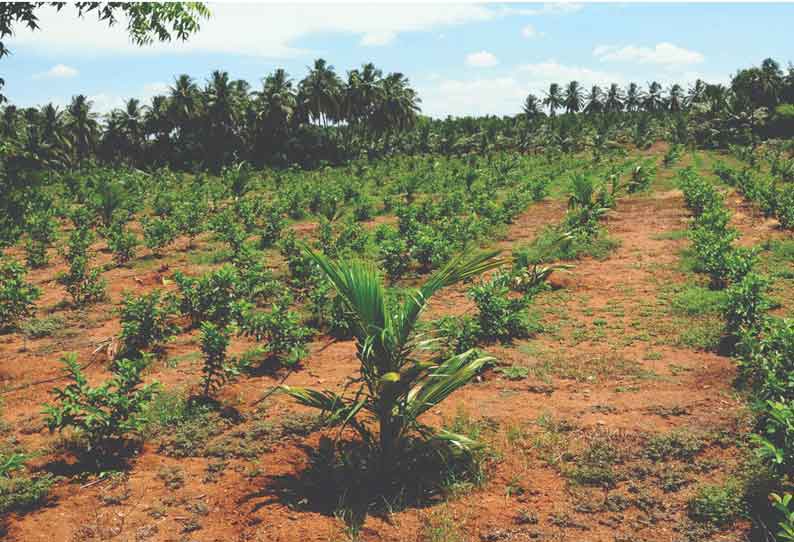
(374, 39)
(504, 95)
(529, 32)
(103, 102)
(551, 71)
(497, 96)
(58, 71)
(664, 53)
(481, 59)
(556, 8)
(152, 89)
(262, 30)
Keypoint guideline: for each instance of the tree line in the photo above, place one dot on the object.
(224, 121)
(325, 118)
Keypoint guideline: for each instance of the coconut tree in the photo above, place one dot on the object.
(614, 99)
(717, 98)
(553, 99)
(397, 106)
(319, 93)
(82, 127)
(675, 98)
(531, 108)
(653, 102)
(158, 122)
(695, 94)
(274, 107)
(361, 94)
(573, 97)
(592, 100)
(633, 97)
(397, 383)
(771, 82)
(184, 103)
(220, 97)
(133, 126)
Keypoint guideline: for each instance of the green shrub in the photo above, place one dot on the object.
(158, 233)
(41, 228)
(191, 215)
(458, 334)
(717, 505)
(699, 194)
(213, 297)
(746, 305)
(146, 322)
(285, 336)
(17, 297)
(216, 370)
(122, 242)
(501, 317)
(393, 253)
(105, 414)
(272, 227)
(84, 284)
(301, 269)
(785, 508)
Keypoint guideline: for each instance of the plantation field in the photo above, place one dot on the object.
(606, 402)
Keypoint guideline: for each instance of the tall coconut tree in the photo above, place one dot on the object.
(82, 127)
(695, 94)
(675, 98)
(593, 103)
(319, 93)
(361, 94)
(553, 99)
(184, 103)
(771, 82)
(397, 106)
(633, 97)
(220, 101)
(274, 107)
(573, 97)
(653, 101)
(134, 128)
(159, 123)
(613, 102)
(531, 108)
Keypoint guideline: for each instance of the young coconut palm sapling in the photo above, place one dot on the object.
(395, 386)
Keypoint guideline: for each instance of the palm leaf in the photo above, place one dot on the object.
(449, 376)
(459, 268)
(359, 284)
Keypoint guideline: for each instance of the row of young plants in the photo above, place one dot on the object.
(762, 344)
(774, 195)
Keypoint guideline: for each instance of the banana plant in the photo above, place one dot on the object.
(397, 384)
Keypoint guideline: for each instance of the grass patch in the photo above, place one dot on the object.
(718, 505)
(38, 328)
(672, 235)
(547, 247)
(694, 300)
(23, 493)
(681, 445)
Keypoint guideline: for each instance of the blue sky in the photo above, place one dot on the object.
(462, 58)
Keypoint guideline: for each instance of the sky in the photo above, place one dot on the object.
(463, 59)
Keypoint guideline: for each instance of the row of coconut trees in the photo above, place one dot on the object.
(221, 122)
(763, 86)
